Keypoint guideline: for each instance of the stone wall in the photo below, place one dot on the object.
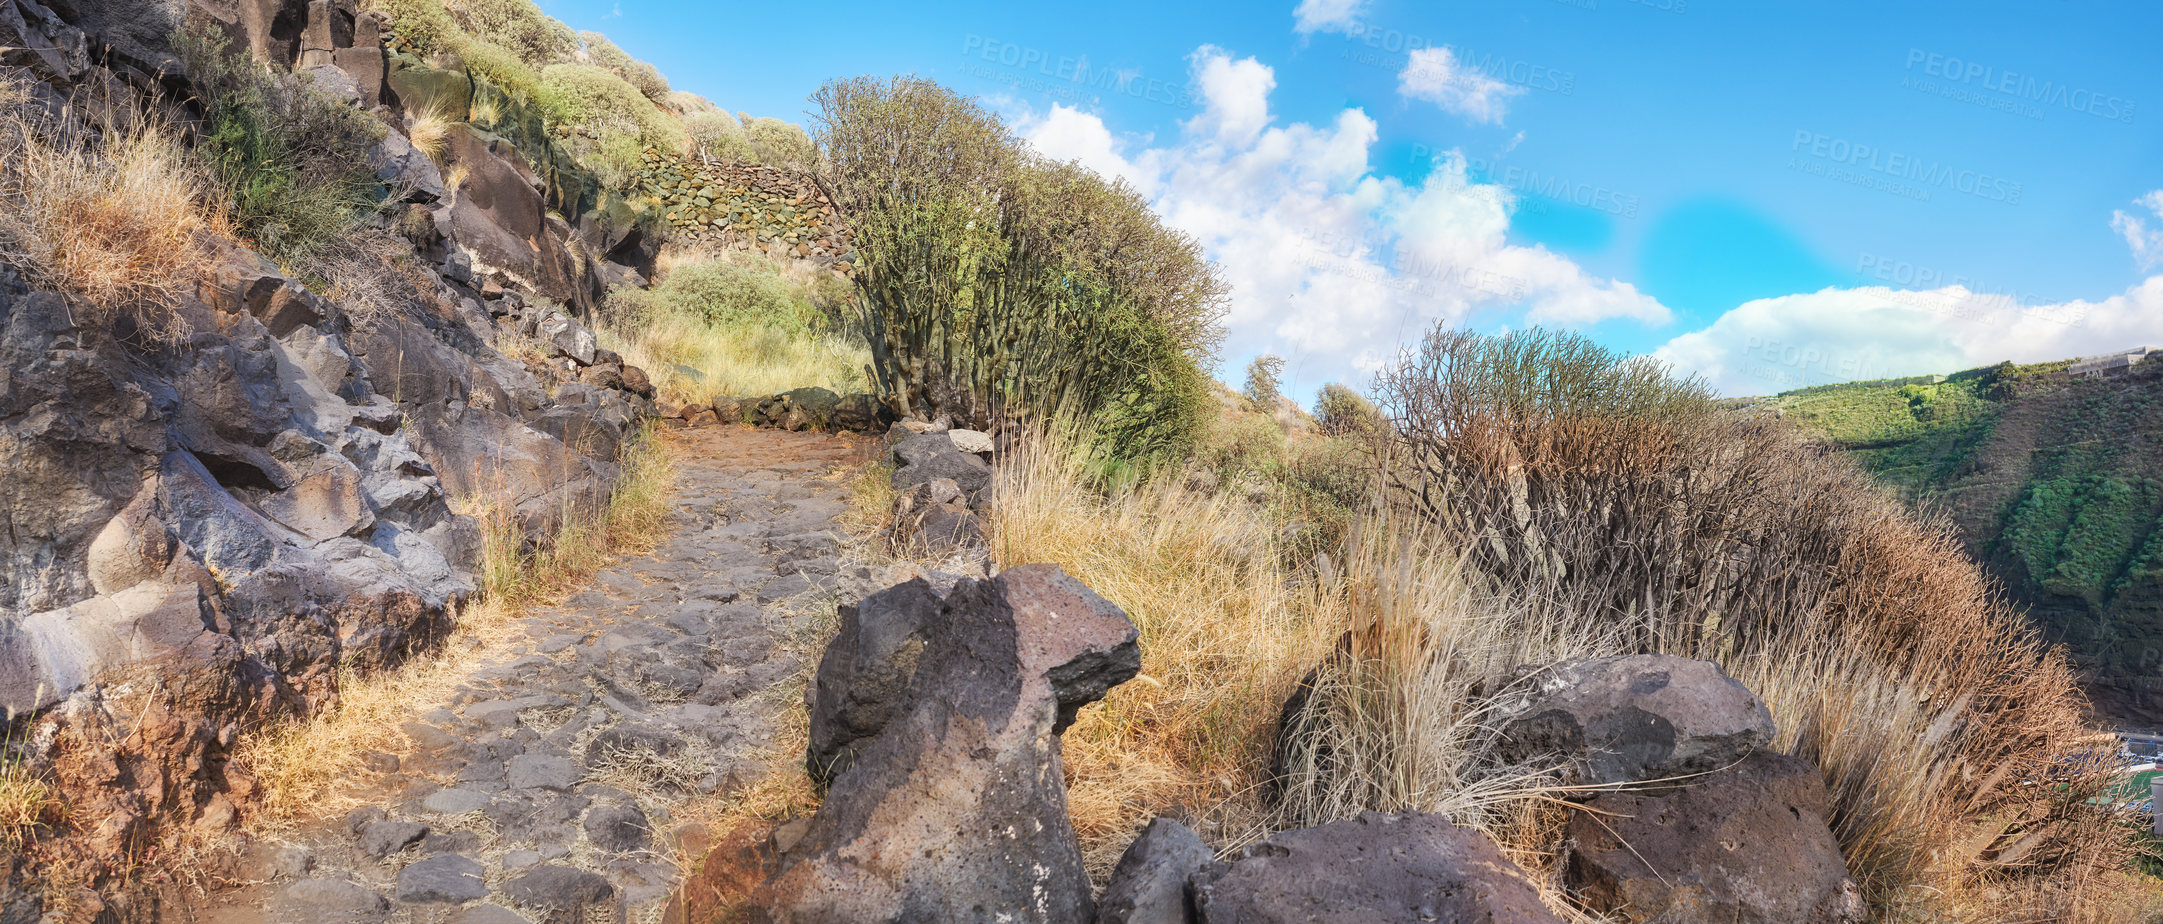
(780, 213)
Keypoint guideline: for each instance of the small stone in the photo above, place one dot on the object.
(336, 896)
(444, 878)
(359, 818)
(488, 914)
(970, 441)
(542, 771)
(1149, 886)
(380, 839)
(450, 842)
(520, 859)
(620, 828)
(558, 888)
(457, 801)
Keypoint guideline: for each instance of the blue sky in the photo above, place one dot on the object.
(1770, 195)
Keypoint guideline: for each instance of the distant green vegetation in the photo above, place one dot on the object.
(2055, 483)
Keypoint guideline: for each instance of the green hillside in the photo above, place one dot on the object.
(2055, 482)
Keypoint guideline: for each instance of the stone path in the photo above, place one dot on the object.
(542, 791)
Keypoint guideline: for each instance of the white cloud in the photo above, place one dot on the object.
(1435, 75)
(1235, 95)
(1775, 344)
(1327, 16)
(1331, 264)
(2147, 244)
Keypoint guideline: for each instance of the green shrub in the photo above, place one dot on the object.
(1262, 381)
(999, 285)
(647, 78)
(502, 67)
(292, 161)
(518, 26)
(593, 97)
(424, 23)
(685, 102)
(718, 135)
(1343, 413)
(729, 291)
(780, 144)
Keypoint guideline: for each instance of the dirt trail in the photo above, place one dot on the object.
(542, 791)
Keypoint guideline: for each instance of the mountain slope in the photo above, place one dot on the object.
(2054, 481)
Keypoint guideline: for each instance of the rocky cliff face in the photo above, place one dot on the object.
(197, 530)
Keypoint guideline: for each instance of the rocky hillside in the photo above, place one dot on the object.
(2055, 481)
(214, 500)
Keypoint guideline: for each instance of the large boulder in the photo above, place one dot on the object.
(1149, 886)
(957, 810)
(1635, 717)
(863, 678)
(499, 221)
(1746, 845)
(1374, 869)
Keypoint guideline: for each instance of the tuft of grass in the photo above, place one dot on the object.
(305, 767)
(27, 803)
(429, 130)
(115, 222)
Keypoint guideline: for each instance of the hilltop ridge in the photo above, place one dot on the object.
(2053, 474)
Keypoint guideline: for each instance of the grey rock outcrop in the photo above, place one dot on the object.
(1374, 869)
(957, 810)
(1636, 717)
(1745, 845)
(1149, 886)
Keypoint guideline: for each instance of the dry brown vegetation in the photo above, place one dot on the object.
(108, 215)
(1546, 500)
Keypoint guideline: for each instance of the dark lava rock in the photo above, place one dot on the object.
(1149, 886)
(864, 675)
(445, 877)
(618, 828)
(1746, 845)
(1374, 869)
(957, 810)
(380, 839)
(1637, 717)
(558, 888)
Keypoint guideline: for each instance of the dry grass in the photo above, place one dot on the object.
(1224, 635)
(430, 131)
(732, 359)
(26, 804)
(308, 768)
(1942, 727)
(113, 222)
